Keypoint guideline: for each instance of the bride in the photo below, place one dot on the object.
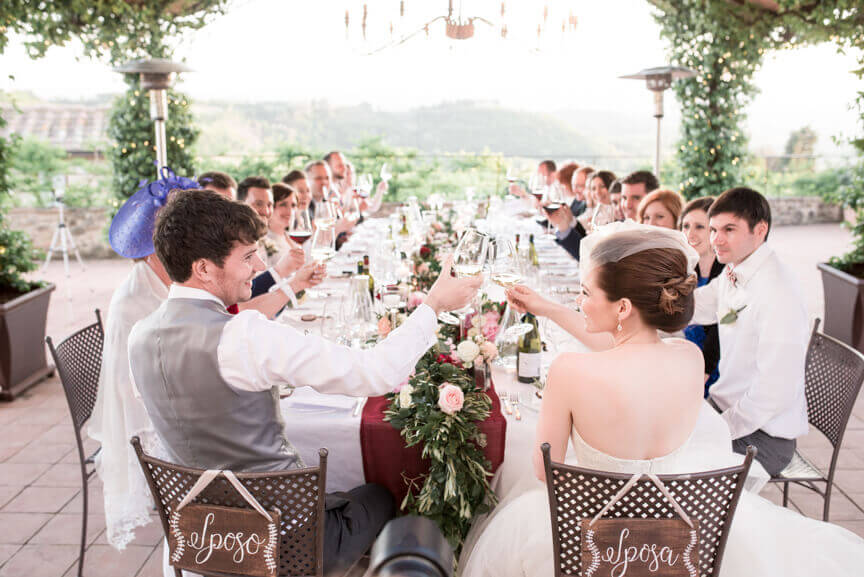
(636, 406)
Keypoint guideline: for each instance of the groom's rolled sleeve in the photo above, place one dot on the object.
(705, 301)
(256, 354)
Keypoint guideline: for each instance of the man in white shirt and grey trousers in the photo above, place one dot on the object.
(209, 379)
(763, 329)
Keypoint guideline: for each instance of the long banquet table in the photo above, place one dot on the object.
(313, 420)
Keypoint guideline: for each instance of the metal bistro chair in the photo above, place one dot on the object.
(78, 359)
(833, 375)
(297, 493)
(576, 494)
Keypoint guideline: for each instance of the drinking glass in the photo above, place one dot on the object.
(300, 229)
(364, 185)
(352, 210)
(323, 245)
(326, 214)
(360, 314)
(603, 214)
(333, 321)
(386, 175)
(507, 271)
(470, 254)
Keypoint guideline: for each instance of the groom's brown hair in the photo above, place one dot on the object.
(744, 203)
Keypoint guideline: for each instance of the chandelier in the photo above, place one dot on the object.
(458, 25)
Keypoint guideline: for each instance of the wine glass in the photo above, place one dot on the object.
(352, 210)
(507, 271)
(470, 254)
(364, 185)
(323, 245)
(360, 313)
(554, 201)
(300, 229)
(326, 214)
(603, 214)
(386, 175)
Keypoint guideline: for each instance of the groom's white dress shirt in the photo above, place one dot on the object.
(255, 353)
(762, 353)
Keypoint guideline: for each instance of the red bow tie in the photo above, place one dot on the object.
(733, 278)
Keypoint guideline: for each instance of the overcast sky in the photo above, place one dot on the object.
(277, 50)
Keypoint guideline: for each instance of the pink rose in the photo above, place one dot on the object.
(489, 351)
(415, 299)
(450, 398)
(491, 317)
(384, 327)
(490, 331)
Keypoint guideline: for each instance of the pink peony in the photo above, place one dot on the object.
(490, 331)
(415, 299)
(384, 327)
(450, 398)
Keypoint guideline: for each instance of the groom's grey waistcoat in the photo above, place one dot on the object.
(201, 419)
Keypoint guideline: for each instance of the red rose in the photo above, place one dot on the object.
(425, 251)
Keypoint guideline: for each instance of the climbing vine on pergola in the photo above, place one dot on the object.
(725, 41)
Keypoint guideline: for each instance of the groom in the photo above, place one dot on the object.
(763, 330)
(209, 379)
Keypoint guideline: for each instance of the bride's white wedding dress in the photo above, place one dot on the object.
(765, 540)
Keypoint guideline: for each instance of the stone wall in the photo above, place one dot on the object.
(88, 227)
(792, 210)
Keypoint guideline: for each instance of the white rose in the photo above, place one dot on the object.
(473, 332)
(405, 400)
(467, 351)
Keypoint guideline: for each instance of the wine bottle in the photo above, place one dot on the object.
(528, 353)
(532, 252)
(368, 271)
(359, 267)
(404, 230)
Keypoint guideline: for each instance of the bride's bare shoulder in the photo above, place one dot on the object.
(686, 348)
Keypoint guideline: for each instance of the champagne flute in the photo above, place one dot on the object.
(300, 229)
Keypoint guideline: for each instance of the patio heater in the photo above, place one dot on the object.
(156, 76)
(657, 81)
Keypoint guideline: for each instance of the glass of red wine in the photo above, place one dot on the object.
(301, 227)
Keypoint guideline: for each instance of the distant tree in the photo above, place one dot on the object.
(801, 142)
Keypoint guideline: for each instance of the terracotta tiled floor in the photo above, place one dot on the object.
(40, 496)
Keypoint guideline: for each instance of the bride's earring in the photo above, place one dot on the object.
(619, 328)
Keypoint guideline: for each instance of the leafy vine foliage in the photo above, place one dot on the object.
(724, 42)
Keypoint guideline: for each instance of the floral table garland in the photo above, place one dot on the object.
(440, 407)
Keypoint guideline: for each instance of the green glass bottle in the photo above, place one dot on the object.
(529, 353)
(404, 230)
(367, 271)
(532, 252)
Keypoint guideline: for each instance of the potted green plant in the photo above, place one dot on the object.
(23, 312)
(843, 277)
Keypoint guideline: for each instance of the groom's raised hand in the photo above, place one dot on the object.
(449, 292)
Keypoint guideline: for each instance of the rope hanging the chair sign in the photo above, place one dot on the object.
(629, 485)
(203, 481)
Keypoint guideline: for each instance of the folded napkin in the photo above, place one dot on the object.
(306, 398)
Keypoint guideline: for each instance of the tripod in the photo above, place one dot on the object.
(62, 240)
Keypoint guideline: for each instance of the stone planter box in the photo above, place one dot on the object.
(22, 342)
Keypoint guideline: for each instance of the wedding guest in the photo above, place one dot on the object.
(255, 191)
(318, 176)
(763, 330)
(694, 225)
(219, 182)
(284, 205)
(565, 181)
(336, 163)
(598, 188)
(661, 208)
(546, 170)
(577, 184)
(296, 179)
(190, 348)
(634, 187)
(118, 414)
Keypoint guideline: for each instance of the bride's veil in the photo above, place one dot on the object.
(617, 240)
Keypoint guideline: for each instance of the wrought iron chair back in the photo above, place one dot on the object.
(78, 359)
(297, 493)
(576, 493)
(833, 376)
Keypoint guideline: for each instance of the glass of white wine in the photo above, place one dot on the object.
(326, 214)
(507, 271)
(323, 244)
(470, 254)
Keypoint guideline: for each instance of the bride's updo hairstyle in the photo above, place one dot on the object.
(652, 272)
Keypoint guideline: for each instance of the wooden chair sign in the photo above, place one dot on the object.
(216, 539)
(640, 547)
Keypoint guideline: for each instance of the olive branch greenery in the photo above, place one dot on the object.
(457, 485)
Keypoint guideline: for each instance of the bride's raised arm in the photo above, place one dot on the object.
(525, 299)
